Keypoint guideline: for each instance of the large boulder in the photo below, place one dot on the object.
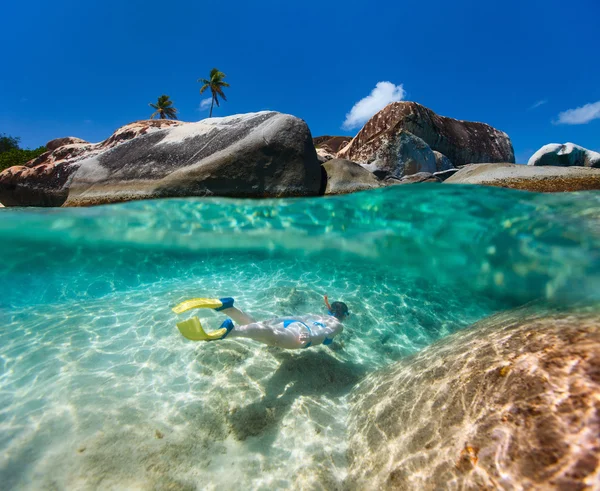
(403, 154)
(510, 403)
(332, 144)
(249, 155)
(344, 176)
(463, 142)
(527, 178)
(442, 162)
(565, 156)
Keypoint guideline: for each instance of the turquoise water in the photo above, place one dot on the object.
(97, 388)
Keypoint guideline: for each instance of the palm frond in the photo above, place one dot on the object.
(219, 91)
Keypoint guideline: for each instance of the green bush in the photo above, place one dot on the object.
(11, 154)
(18, 156)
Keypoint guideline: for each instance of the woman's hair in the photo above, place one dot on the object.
(339, 310)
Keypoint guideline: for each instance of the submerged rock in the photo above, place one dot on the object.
(511, 402)
(463, 142)
(344, 176)
(528, 178)
(565, 156)
(248, 155)
(403, 154)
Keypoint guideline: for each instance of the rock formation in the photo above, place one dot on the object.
(324, 155)
(527, 178)
(332, 144)
(442, 162)
(401, 155)
(510, 403)
(344, 176)
(250, 155)
(565, 156)
(463, 142)
(67, 140)
(445, 174)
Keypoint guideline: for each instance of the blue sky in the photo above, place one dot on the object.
(85, 68)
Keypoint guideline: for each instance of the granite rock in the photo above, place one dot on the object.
(402, 155)
(344, 176)
(331, 144)
(528, 178)
(510, 403)
(463, 142)
(67, 140)
(442, 162)
(418, 178)
(264, 154)
(565, 156)
(445, 174)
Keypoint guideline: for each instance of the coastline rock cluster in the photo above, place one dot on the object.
(513, 400)
(269, 154)
(263, 154)
(461, 142)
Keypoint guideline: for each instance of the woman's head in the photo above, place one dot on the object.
(339, 310)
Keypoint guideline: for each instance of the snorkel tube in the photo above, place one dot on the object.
(327, 305)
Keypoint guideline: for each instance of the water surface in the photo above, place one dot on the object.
(98, 389)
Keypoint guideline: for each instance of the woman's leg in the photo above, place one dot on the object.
(238, 316)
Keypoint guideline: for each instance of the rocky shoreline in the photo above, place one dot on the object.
(269, 154)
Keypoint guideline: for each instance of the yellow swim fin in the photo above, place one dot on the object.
(197, 303)
(192, 330)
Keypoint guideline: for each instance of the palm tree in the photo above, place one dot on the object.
(163, 108)
(215, 83)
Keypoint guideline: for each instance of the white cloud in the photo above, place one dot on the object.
(538, 104)
(380, 96)
(580, 115)
(205, 104)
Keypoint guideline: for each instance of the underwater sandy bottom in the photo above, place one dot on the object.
(102, 391)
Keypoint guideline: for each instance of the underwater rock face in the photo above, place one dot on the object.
(565, 156)
(511, 403)
(463, 142)
(264, 154)
(548, 179)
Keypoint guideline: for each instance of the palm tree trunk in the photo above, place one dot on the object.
(211, 105)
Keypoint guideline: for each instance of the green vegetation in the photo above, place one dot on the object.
(11, 154)
(164, 108)
(215, 83)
